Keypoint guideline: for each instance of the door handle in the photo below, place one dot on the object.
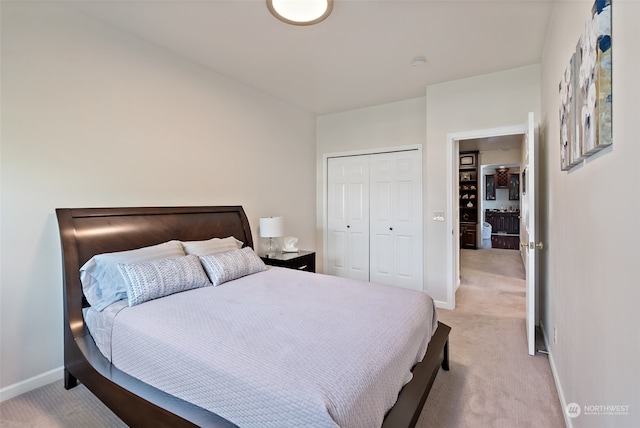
(532, 245)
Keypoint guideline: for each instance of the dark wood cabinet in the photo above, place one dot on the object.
(490, 187)
(468, 235)
(502, 178)
(469, 202)
(508, 242)
(503, 222)
(302, 260)
(514, 187)
(505, 229)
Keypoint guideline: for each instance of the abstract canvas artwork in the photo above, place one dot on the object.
(585, 91)
(570, 153)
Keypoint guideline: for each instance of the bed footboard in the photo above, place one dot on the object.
(412, 397)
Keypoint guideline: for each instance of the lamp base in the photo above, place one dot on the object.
(270, 247)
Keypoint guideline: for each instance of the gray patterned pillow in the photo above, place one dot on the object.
(101, 280)
(223, 267)
(159, 278)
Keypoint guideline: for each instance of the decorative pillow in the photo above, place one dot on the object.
(101, 280)
(151, 280)
(211, 246)
(223, 267)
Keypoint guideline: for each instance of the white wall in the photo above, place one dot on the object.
(92, 117)
(591, 261)
(389, 125)
(490, 101)
(495, 100)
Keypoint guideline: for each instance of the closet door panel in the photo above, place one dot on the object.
(355, 199)
(404, 225)
(382, 198)
(381, 257)
(408, 221)
(337, 249)
(348, 217)
(381, 220)
(403, 208)
(337, 218)
(357, 227)
(358, 263)
(396, 182)
(404, 257)
(338, 207)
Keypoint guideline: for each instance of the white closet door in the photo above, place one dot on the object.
(396, 219)
(348, 217)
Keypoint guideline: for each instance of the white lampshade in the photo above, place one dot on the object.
(271, 227)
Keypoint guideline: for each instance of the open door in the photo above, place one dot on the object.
(529, 244)
(528, 209)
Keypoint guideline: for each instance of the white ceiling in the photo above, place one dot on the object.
(360, 56)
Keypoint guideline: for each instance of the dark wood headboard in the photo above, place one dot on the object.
(85, 232)
(103, 230)
(89, 231)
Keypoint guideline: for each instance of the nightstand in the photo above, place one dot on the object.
(302, 260)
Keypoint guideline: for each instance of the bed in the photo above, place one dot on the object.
(88, 232)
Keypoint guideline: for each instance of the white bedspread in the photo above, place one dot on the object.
(280, 348)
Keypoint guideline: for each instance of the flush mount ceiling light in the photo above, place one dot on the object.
(300, 12)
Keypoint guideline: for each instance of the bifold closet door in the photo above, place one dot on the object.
(395, 217)
(348, 217)
(374, 218)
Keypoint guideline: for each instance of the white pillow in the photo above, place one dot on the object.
(211, 246)
(103, 283)
(223, 267)
(151, 280)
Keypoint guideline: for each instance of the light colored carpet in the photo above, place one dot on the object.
(492, 383)
(52, 406)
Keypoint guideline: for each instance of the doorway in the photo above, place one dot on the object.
(499, 139)
(498, 199)
(528, 219)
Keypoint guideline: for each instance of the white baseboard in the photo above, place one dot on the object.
(563, 403)
(442, 304)
(30, 384)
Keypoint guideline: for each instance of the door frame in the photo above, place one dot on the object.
(453, 220)
(361, 152)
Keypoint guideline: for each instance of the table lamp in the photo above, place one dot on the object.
(271, 227)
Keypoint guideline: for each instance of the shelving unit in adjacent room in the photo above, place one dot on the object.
(469, 200)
